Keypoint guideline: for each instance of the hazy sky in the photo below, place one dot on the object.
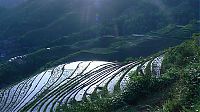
(10, 3)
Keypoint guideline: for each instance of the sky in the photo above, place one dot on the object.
(10, 3)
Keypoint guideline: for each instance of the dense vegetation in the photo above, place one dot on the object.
(177, 90)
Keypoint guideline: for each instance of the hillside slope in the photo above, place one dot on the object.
(37, 23)
(177, 90)
(45, 46)
(119, 87)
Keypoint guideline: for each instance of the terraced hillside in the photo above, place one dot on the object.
(49, 52)
(71, 82)
(45, 33)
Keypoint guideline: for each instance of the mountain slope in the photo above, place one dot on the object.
(37, 23)
(176, 90)
(84, 81)
(39, 35)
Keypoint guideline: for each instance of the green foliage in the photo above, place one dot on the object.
(182, 55)
(138, 88)
(179, 31)
(98, 103)
(185, 93)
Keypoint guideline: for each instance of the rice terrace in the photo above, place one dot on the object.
(99, 55)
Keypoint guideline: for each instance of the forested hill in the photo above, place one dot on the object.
(48, 20)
